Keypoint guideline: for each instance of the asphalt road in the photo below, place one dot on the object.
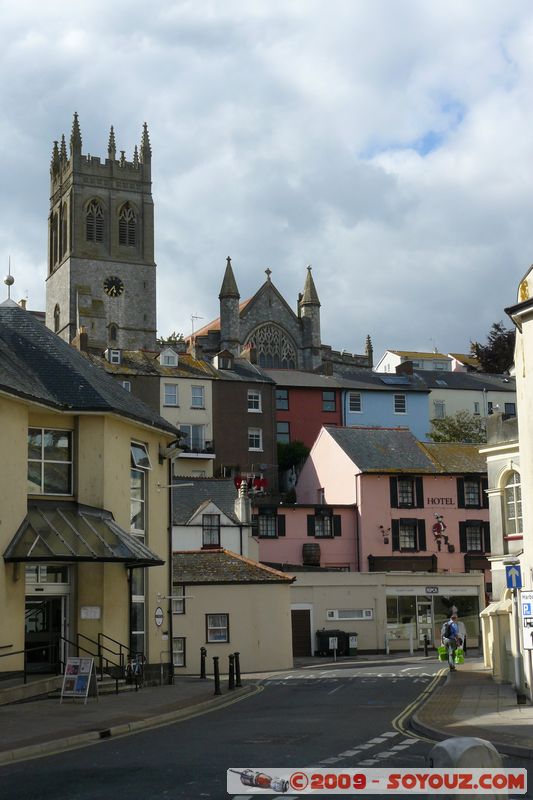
(328, 717)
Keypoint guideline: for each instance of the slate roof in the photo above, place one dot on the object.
(382, 449)
(36, 364)
(456, 458)
(471, 381)
(362, 379)
(244, 370)
(222, 567)
(146, 362)
(186, 501)
(393, 450)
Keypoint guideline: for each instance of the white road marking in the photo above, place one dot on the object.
(385, 754)
(348, 753)
(364, 746)
(377, 740)
(330, 760)
(408, 742)
(400, 747)
(367, 762)
(390, 734)
(336, 689)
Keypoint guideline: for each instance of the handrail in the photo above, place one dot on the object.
(119, 669)
(5, 646)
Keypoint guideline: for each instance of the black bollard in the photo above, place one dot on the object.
(216, 673)
(203, 656)
(238, 683)
(426, 645)
(231, 671)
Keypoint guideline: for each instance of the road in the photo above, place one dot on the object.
(338, 716)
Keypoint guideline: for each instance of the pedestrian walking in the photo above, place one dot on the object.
(451, 639)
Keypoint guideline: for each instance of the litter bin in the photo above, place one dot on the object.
(352, 644)
(327, 638)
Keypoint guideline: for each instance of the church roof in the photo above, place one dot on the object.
(214, 325)
(36, 364)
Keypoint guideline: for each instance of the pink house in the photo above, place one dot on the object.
(418, 506)
(309, 535)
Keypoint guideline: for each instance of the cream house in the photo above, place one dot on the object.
(84, 529)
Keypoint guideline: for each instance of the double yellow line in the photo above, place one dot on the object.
(398, 723)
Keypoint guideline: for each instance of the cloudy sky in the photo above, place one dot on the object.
(389, 143)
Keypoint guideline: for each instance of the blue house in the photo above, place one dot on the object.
(386, 400)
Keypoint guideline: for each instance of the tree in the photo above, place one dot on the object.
(291, 454)
(461, 427)
(497, 355)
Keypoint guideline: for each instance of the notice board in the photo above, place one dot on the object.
(79, 680)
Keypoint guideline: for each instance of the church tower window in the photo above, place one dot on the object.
(63, 228)
(113, 333)
(57, 318)
(94, 222)
(274, 348)
(53, 240)
(127, 226)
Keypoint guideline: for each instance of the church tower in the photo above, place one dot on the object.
(309, 310)
(229, 312)
(101, 269)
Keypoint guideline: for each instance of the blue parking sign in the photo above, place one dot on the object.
(526, 609)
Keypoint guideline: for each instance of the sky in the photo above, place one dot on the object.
(388, 143)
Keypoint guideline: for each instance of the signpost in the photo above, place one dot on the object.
(513, 576)
(79, 679)
(526, 600)
(333, 644)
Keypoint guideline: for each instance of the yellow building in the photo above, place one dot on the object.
(84, 517)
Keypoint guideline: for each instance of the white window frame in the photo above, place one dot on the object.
(178, 599)
(198, 400)
(210, 628)
(51, 462)
(187, 428)
(400, 400)
(126, 385)
(355, 399)
(254, 401)
(439, 409)
(255, 439)
(179, 651)
(512, 498)
(476, 408)
(168, 401)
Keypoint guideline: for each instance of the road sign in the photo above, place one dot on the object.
(526, 607)
(333, 642)
(513, 576)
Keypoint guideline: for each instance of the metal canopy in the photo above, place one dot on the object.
(72, 532)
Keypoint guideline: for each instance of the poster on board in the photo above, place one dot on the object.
(79, 680)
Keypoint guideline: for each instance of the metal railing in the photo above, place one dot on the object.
(130, 665)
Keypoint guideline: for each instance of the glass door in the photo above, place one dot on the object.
(424, 621)
(43, 628)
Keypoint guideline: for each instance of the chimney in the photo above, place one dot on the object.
(22, 303)
(405, 368)
(243, 506)
(81, 340)
(195, 350)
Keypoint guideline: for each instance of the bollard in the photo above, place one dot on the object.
(238, 683)
(231, 671)
(216, 672)
(464, 752)
(426, 645)
(203, 656)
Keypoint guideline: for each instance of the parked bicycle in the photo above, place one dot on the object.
(135, 668)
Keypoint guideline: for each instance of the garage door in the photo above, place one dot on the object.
(301, 632)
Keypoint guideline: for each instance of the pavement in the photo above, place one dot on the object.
(465, 703)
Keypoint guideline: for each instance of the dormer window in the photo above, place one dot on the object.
(113, 356)
(168, 358)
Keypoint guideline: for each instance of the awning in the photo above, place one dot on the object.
(72, 532)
